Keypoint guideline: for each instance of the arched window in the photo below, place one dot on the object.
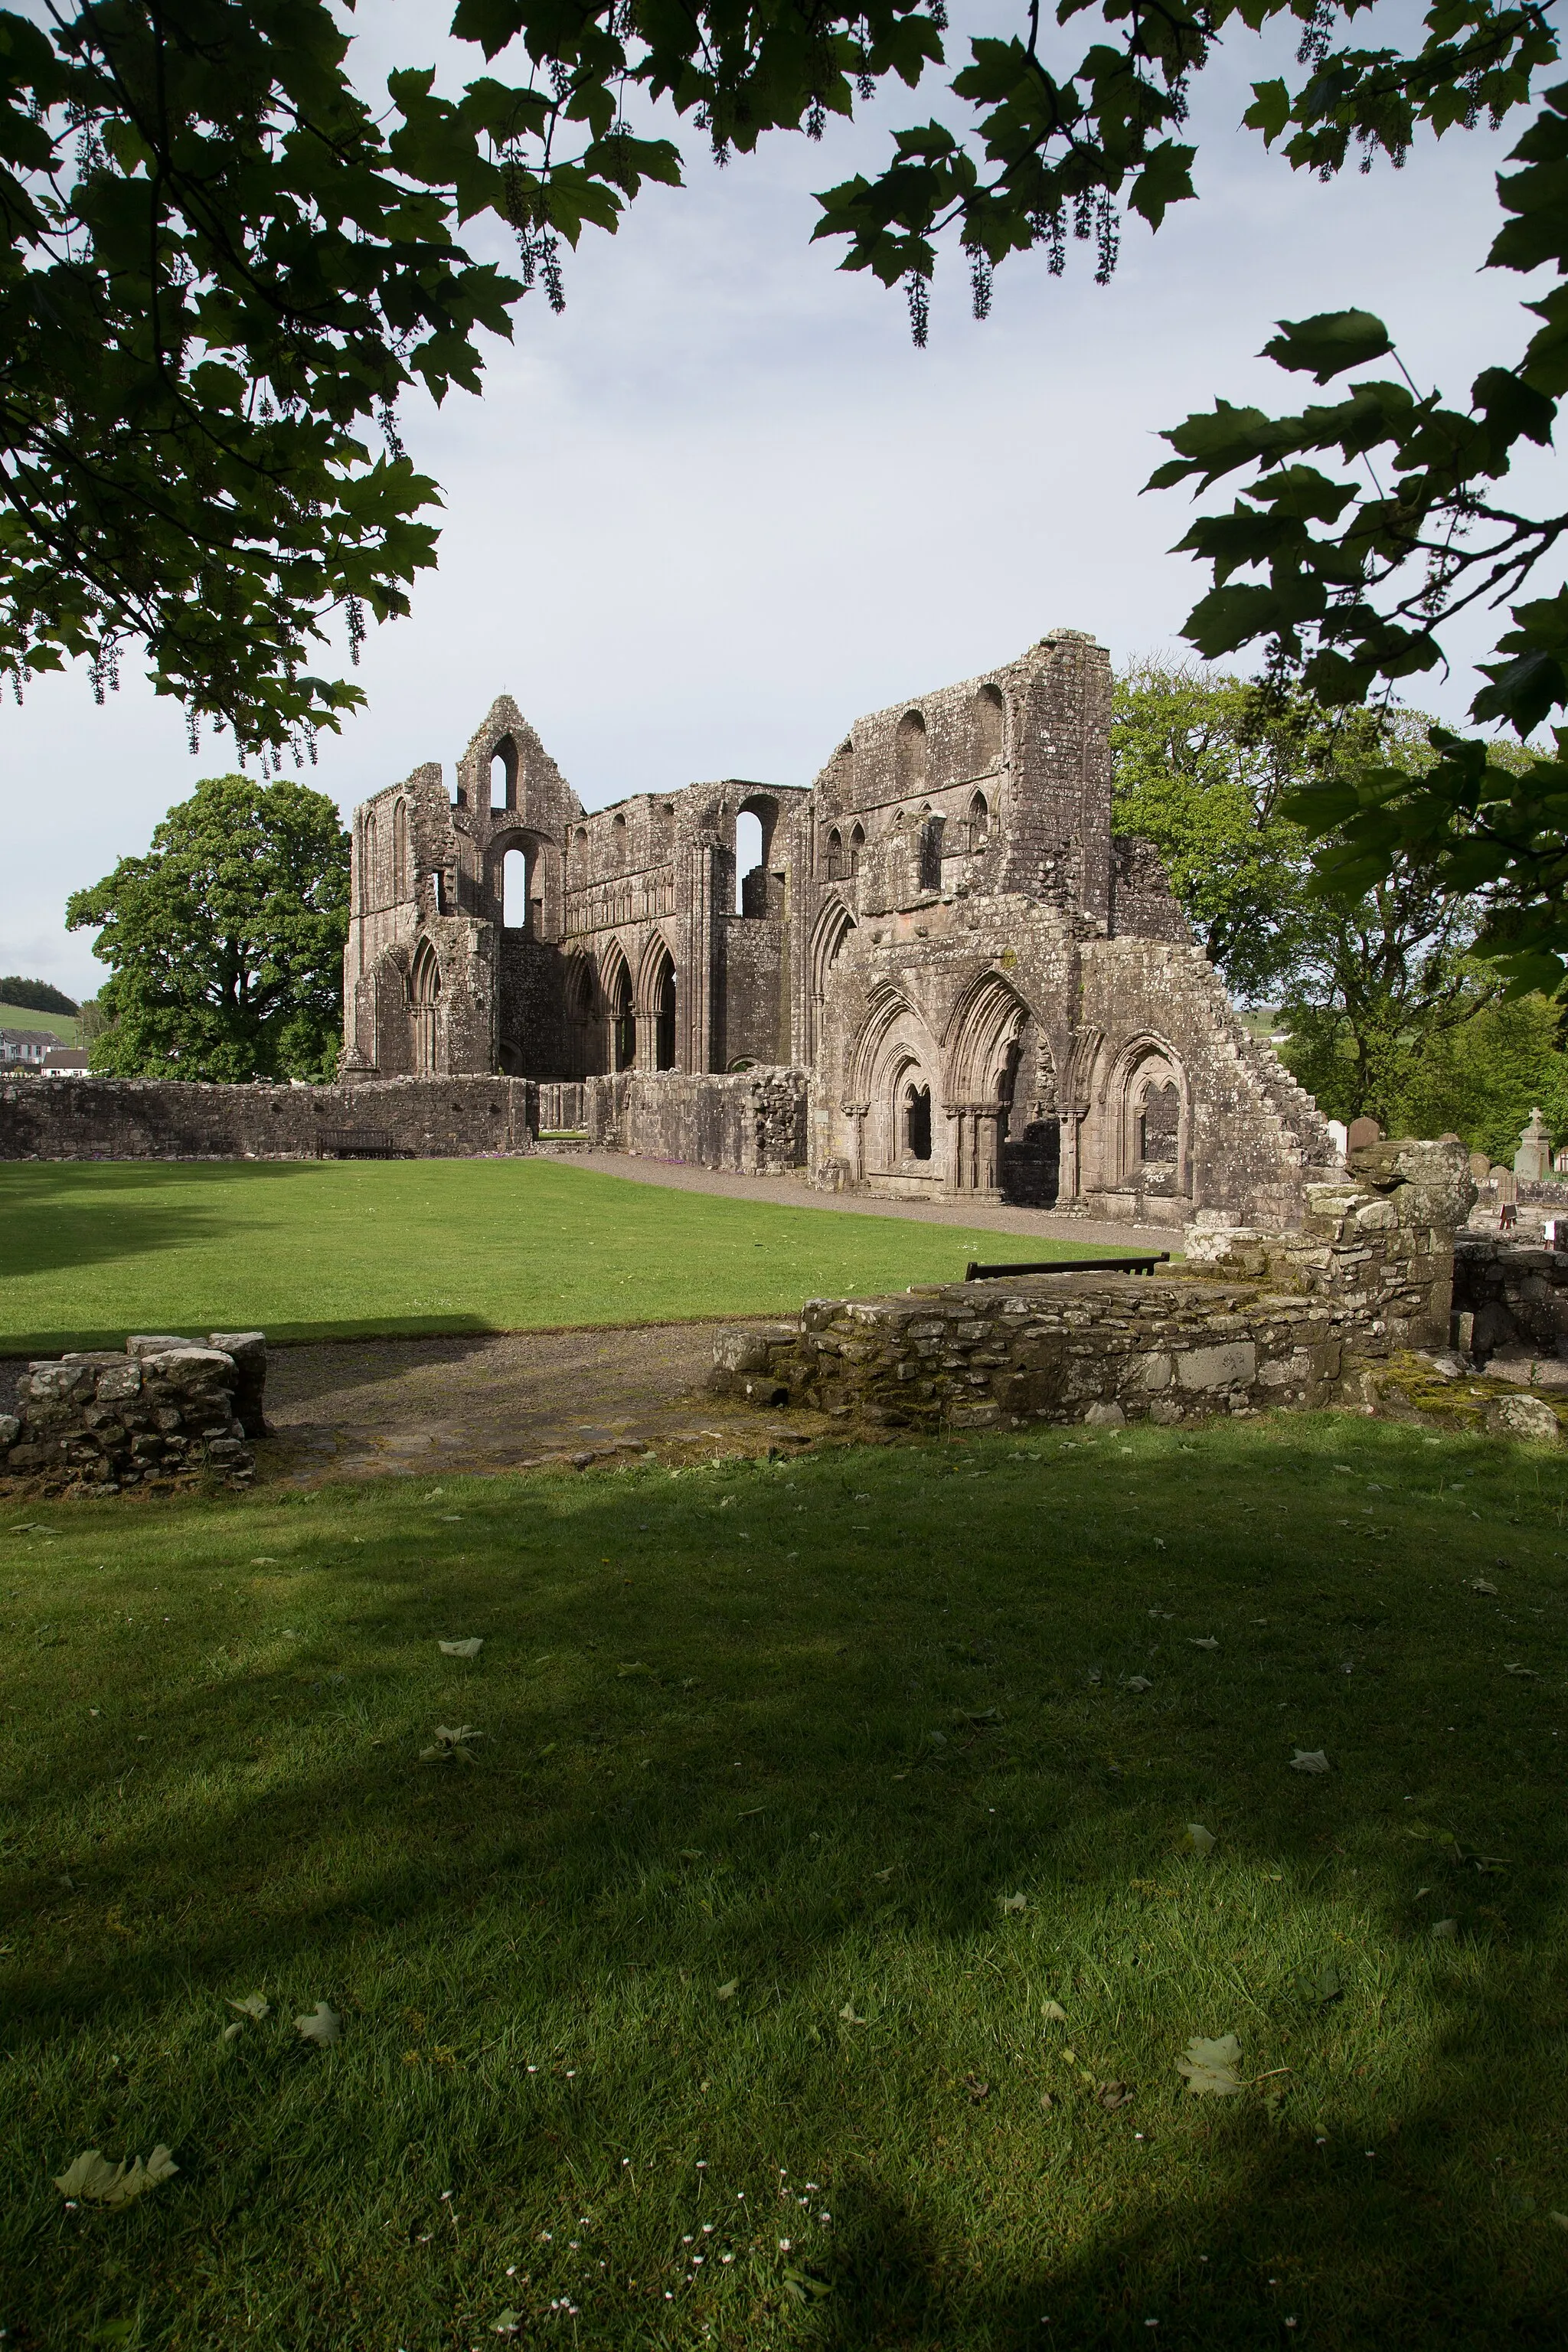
(579, 850)
(425, 995)
(979, 822)
(369, 879)
(910, 754)
(748, 853)
(503, 775)
(917, 1122)
(857, 843)
(514, 891)
(623, 1019)
(402, 886)
(664, 1018)
(834, 855)
(618, 841)
(987, 730)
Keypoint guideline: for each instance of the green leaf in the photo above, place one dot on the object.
(1328, 343)
(1210, 2066)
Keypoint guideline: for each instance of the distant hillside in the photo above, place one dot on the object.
(38, 995)
(25, 1017)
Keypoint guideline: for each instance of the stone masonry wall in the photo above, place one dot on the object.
(1515, 1296)
(156, 1118)
(754, 1121)
(1261, 1320)
(101, 1421)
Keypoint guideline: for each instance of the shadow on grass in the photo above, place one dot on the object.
(1345, 2219)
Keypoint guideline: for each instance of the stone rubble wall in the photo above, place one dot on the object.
(753, 1122)
(170, 1118)
(99, 1420)
(1515, 1296)
(1257, 1320)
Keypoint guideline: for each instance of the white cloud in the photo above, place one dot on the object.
(723, 505)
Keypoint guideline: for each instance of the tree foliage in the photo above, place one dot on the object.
(35, 996)
(1208, 768)
(225, 941)
(222, 264)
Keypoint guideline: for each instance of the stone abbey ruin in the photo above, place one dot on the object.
(945, 977)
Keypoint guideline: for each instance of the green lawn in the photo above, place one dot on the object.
(62, 1026)
(312, 1250)
(819, 1856)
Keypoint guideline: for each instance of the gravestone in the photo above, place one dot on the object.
(1362, 1131)
(1533, 1160)
(1480, 1167)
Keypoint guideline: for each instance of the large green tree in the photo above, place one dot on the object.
(1368, 979)
(225, 941)
(222, 265)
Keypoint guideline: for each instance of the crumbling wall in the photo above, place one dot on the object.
(1259, 1320)
(165, 1408)
(1514, 1296)
(753, 1121)
(162, 1119)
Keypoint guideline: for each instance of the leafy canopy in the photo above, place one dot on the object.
(222, 266)
(225, 941)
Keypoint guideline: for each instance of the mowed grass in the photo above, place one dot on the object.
(320, 1250)
(804, 1957)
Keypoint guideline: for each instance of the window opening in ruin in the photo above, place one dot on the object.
(979, 822)
(623, 1020)
(857, 843)
(836, 856)
(503, 775)
(917, 1122)
(400, 877)
(618, 839)
(514, 891)
(424, 990)
(1159, 1123)
(987, 728)
(664, 1019)
(910, 752)
(749, 852)
(369, 880)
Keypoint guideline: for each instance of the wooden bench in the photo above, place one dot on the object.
(358, 1143)
(975, 1272)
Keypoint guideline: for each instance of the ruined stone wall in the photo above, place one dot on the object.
(1512, 1299)
(164, 1407)
(1262, 1319)
(753, 1121)
(158, 1118)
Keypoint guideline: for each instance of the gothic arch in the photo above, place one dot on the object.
(1140, 1082)
(985, 1023)
(832, 928)
(656, 999)
(425, 1000)
(620, 1007)
(402, 878)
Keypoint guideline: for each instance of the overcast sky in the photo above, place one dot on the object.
(723, 505)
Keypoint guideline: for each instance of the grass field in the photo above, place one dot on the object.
(803, 1956)
(59, 1025)
(316, 1250)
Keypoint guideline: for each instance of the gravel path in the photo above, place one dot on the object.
(988, 1216)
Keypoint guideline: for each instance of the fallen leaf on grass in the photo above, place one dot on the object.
(1202, 1840)
(847, 2014)
(1112, 2095)
(451, 1740)
(1308, 1759)
(1203, 1641)
(977, 2089)
(95, 2181)
(508, 2324)
(1210, 2066)
(1139, 1683)
(1479, 1584)
(33, 1528)
(1055, 2012)
(230, 2031)
(264, 1559)
(1321, 1985)
(1558, 2220)
(1014, 1901)
(885, 1874)
(468, 1649)
(325, 2026)
(728, 1992)
(1528, 1671)
(255, 2004)
(1445, 1931)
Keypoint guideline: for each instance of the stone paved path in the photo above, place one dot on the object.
(989, 1216)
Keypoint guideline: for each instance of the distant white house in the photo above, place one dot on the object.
(27, 1047)
(65, 1062)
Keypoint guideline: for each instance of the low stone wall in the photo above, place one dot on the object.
(166, 1119)
(1255, 1320)
(1511, 1300)
(165, 1408)
(753, 1122)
